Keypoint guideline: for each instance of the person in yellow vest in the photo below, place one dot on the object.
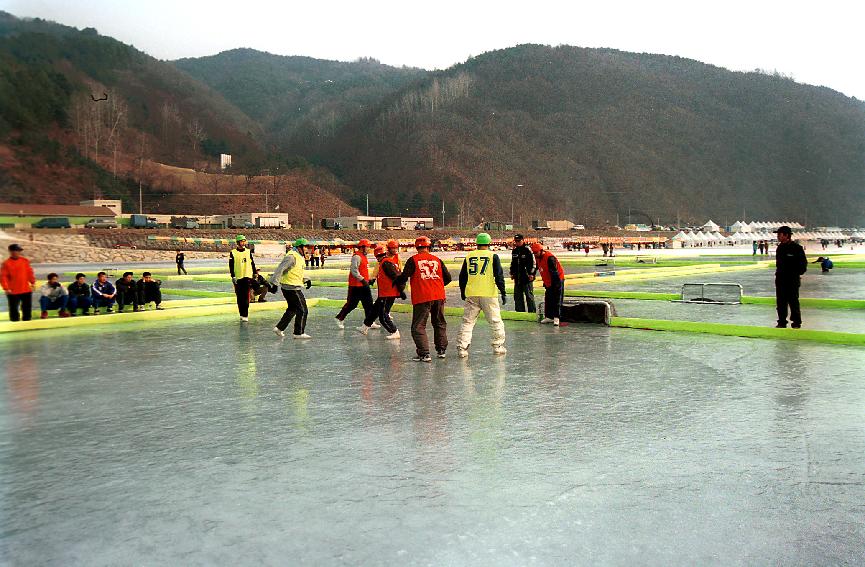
(481, 282)
(241, 266)
(289, 277)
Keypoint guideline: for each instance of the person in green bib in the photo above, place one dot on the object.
(289, 277)
(481, 282)
(241, 266)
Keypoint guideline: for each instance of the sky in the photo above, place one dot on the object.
(819, 43)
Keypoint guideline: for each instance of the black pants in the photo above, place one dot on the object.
(524, 296)
(25, 300)
(421, 313)
(180, 267)
(148, 296)
(553, 299)
(381, 310)
(787, 295)
(357, 294)
(125, 298)
(241, 290)
(296, 307)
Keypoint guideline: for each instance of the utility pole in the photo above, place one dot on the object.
(516, 190)
(367, 204)
(443, 213)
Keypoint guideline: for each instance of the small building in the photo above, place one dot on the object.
(224, 161)
(363, 222)
(250, 220)
(115, 205)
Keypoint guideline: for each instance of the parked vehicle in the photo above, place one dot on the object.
(540, 225)
(142, 221)
(330, 224)
(497, 226)
(578, 227)
(184, 222)
(420, 226)
(100, 223)
(391, 223)
(52, 222)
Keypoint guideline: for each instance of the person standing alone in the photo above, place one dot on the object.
(241, 266)
(18, 280)
(179, 259)
(790, 264)
(480, 278)
(523, 276)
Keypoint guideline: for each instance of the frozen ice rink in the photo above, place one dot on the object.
(207, 442)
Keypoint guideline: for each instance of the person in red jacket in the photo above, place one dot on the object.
(18, 280)
(358, 285)
(554, 283)
(387, 271)
(428, 276)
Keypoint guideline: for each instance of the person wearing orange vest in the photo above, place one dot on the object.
(18, 280)
(554, 283)
(428, 276)
(387, 271)
(358, 285)
(481, 281)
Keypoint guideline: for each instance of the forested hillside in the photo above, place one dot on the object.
(591, 133)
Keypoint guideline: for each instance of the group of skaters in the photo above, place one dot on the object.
(761, 246)
(19, 282)
(481, 282)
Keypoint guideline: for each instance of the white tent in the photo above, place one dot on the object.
(740, 226)
(710, 226)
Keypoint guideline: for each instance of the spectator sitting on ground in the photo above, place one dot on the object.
(103, 294)
(825, 264)
(126, 292)
(79, 295)
(259, 288)
(54, 296)
(148, 290)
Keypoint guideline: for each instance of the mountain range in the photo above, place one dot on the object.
(528, 132)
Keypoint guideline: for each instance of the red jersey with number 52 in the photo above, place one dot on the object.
(427, 283)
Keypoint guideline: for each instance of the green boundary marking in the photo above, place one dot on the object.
(748, 331)
(196, 292)
(812, 302)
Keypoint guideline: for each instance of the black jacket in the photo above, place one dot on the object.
(790, 262)
(123, 287)
(79, 290)
(522, 264)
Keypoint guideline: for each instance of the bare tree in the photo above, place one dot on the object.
(195, 132)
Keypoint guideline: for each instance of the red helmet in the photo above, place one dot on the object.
(363, 242)
(379, 250)
(421, 241)
(392, 244)
(536, 247)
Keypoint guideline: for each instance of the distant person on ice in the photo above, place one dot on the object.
(428, 276)
(481, 282)
(553, 276)
(790, 264)
(825, 264)
(241, 267)
(179, 259)
(523, 275)
(290, 279)
(18, 281)
(359, 290)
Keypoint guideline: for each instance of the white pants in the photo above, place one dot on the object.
(473, 308)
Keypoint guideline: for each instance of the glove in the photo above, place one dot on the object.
(272, 288)
(365, 283)
(504, 299)
(402, 295)
(372, 281)
(234, 281)
(307, 283)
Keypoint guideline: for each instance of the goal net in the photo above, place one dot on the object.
(719, 293)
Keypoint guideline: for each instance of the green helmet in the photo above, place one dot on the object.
(301, 242)
(483, 238)
(239, 237)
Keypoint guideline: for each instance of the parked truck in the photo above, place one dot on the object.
(184, 222)
(391, 223)
(330, 224)
(142, 221)
(497, 226)
(269, 222)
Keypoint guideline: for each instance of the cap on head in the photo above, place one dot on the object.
(239, 238)
(422, 242)
(379, 250)
(363, 242)
(518, 237)
(301, 242)
(15, 248)
(536, 248)
(392, 244)
(784, 230)
(483, 238)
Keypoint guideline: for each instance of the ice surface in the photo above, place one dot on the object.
(211, 442)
